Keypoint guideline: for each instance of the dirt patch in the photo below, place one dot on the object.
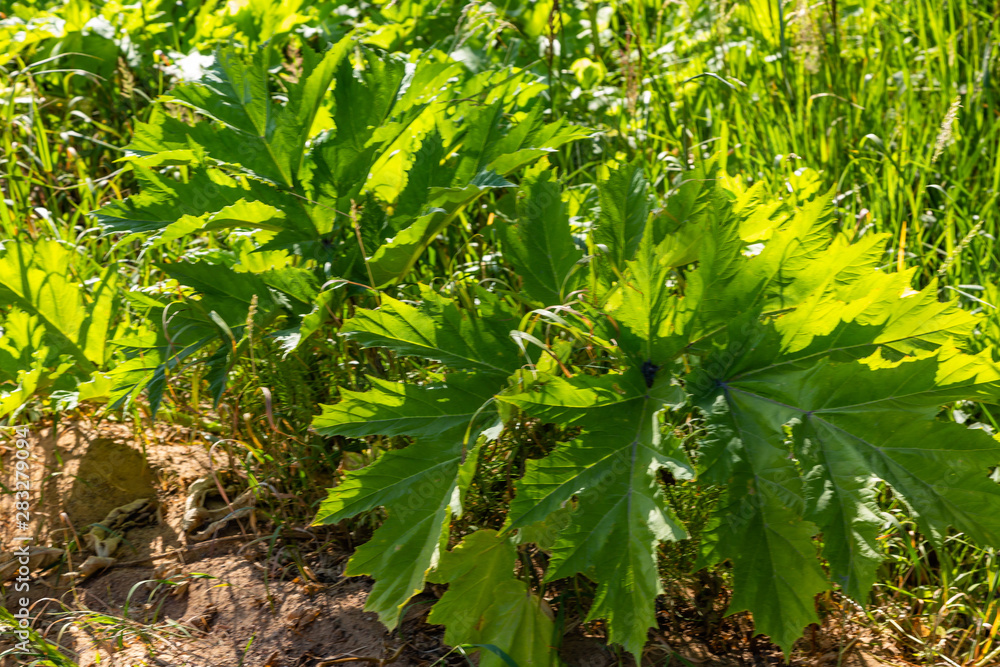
(229, 617)
(79, 473)
(242, 598)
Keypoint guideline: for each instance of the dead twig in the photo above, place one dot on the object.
(381, 662)
(183, 550)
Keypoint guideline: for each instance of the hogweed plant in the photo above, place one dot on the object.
(817, 376)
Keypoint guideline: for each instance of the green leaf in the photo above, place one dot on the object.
(612, 471)
(643, 306)
(853, 423)
(439, 330)
(624, 209)
(487, 605)
(397, 256)
(167, 209)
(540, 245)
(490, 148)
(399, 408)
(776, 573)
(237, 94)
(422, 486)
(22, 338)
(792, 266)
(427, 174)
(224, 291)
(37, 279)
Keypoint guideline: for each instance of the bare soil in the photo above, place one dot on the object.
(262, 597)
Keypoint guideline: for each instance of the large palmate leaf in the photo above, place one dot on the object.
(439, 330)
(227, 300)
(624, 209)
(492, 148)
(167, 209)
(398, 254)
(397, 408)
(644, 306)
(236, 93)
(238, 124)
(487, 605)
(37, 279)
(819, 375)
(53, 329)
(807, 412)
(422, 485)
(612, 471)
(540, 246)
(347, 171)
(852, 426)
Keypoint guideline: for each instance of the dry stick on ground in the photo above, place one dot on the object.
(204, 545)
(188, 549)
(381, 662)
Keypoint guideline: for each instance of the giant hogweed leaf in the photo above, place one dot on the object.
(679, 226)
(491, 144)
(426, 175)
(534, 139)
(26, 362)
(422, 488)
(611, 470)
(263, 137)
(194, 325)
(430, 81)
(400, 408)
(655, 324)
(776, 573)
(162, 201)
(22, 336)
(224, 291)
(207, 200)
(147, 359)
(236, 93)
(827, 306)
(439, 330)
(879, 313)
(644, 305)
(879, 310)
(421, 485)
(397, 255)
(363, 103)
(36, 278)
(386, 122)
(624, 208)
(853, 423)
(305, 98)
(540, 245)
(340, 161)
(491, 148)
(487, 605)
(832, 306)
(684, 211)
(797, 262)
